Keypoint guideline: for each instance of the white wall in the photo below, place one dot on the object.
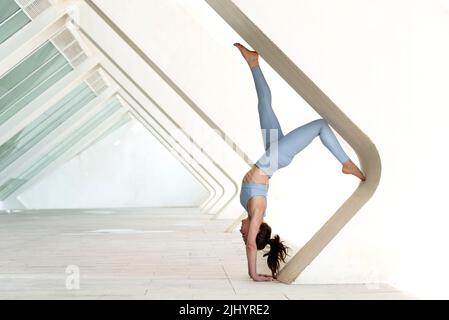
(128, 168)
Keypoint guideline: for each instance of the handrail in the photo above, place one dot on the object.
(365, 149)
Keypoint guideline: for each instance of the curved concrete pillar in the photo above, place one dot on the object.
(359, 141)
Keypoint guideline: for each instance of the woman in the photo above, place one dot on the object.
(279, 152)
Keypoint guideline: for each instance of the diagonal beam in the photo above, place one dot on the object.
(365, 149)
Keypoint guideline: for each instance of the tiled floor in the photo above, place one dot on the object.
(157, 253)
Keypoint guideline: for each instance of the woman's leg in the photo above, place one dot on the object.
(301, 137)
(280, 149)
(269, 123)
(288, 147)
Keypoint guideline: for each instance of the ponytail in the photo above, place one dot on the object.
(277, 253)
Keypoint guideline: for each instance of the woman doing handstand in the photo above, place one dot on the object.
(280, 150)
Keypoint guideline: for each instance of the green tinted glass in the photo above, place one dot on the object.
(7, 9)
(9, 187)
(30, 78)
(124, 120)
(24, 140)
(75, 136)
(12, 19)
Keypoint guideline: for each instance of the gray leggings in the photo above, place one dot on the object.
(279, 149)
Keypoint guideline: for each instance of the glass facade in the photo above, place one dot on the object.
(72, 138)
(30, 78)
(12, 19)
(24, 140)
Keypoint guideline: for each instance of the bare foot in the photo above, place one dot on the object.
(251, 57)
(350, 168)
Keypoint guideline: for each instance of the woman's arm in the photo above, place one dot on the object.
(251, 247)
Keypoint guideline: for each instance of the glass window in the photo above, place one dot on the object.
(32, 134)
(73, 137)
(7, 9)
(30, 78)
(9, 187)
(12, 19)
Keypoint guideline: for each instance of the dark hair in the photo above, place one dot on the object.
(278, 251)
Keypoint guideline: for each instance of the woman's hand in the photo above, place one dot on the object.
(262, 277)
